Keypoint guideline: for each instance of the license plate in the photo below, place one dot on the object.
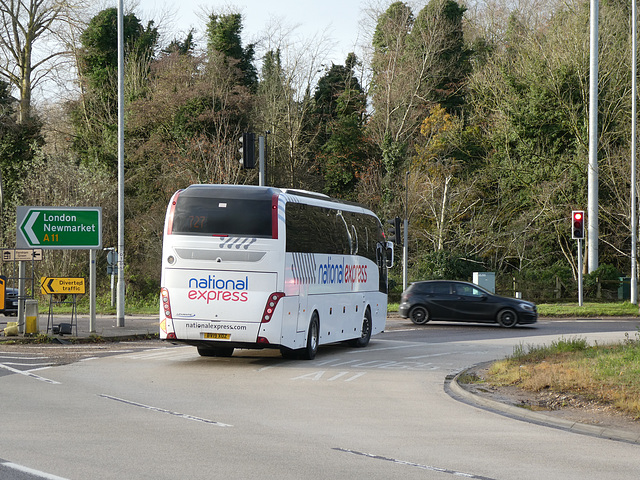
(217, 336)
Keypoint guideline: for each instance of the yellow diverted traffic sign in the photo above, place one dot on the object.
(61, 285)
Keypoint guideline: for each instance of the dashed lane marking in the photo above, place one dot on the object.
(416, 465)
(162, 410)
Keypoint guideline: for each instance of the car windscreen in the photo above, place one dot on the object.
(222, 216)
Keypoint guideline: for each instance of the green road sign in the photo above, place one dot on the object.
(59, 227)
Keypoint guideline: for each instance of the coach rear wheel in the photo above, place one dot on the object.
(313, 336)
(365, 335)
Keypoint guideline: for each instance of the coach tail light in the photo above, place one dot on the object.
(271, 305)
(267, 315)
(166, 325)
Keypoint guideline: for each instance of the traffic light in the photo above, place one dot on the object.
(395, 234)
(577, 224)
(247, 150)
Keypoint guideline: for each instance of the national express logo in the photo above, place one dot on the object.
(337, 273)
(212, 289)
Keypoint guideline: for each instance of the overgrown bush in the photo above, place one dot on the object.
(445, 265)
(607, 278)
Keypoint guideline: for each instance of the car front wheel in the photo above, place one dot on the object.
(507, 318)
(419, 315)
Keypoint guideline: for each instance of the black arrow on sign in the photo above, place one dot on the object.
(47, 287)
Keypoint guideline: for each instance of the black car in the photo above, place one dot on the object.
(10, 302)
(463, 302)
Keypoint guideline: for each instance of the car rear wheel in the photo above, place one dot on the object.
(419, 315)
(507, 318)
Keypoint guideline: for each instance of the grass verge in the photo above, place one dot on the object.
(588, 309)
(608, 374)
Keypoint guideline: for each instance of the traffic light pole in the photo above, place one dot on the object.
(405, 255)
(405, 245)
(261, 177)
(579, 272)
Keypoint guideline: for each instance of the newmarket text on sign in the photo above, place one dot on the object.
(59, 227)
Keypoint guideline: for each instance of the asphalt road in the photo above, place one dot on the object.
(161, 411)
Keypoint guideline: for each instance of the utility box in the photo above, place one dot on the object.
(32, 323)
(624, 290)
(486, 280)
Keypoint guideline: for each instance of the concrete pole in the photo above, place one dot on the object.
(634, 215)
(120, 295)
(592, 209)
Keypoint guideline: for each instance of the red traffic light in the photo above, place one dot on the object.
(577, 227)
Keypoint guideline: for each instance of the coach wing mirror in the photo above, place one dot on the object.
(389, 254)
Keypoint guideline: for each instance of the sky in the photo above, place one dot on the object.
(336, 19)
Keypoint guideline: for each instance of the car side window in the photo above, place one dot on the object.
(441, 289)
(467, 291)
(423, 288)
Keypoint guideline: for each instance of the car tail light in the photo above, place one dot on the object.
(271, 305)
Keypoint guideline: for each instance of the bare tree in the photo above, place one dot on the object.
(285, 106)
(22, 25)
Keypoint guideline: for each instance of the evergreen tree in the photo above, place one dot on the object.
(20, 143)
(94, 116)
(340, 106)
(224, 36)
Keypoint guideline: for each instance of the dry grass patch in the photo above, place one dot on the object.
(607, 374)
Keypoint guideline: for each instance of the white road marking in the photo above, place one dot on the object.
(316, 376)
(162, 410)
(29, 374)
(413, 464)
(31, 471)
